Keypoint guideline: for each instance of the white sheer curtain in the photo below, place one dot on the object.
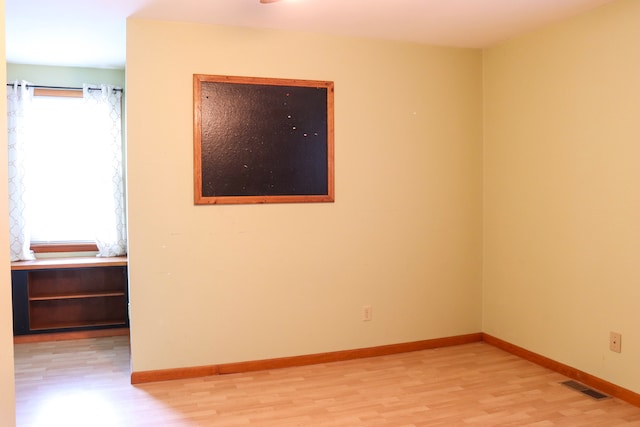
(101, 121)
(106, 136)
(19, 97)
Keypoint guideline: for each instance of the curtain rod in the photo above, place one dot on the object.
(63, 87)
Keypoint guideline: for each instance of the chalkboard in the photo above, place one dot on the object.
(262, 140)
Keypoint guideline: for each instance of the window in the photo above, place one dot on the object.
(60, 162)
(71, 155)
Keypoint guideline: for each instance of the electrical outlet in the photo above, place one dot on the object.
(615, 342)
(366, 313)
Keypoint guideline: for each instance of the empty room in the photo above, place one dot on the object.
(472, 247)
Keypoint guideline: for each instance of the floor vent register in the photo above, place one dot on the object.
(585, 390)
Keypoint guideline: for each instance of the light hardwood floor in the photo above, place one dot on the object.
(86, 383)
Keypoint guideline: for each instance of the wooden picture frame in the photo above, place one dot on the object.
(262, 140)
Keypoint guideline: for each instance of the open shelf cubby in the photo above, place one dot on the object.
(58, 298)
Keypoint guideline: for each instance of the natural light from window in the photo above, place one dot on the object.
(63, 158)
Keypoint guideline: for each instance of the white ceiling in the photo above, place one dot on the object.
(92, 32)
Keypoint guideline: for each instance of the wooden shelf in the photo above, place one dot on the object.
(68, 283)
(56, 295)
(51, 313)
(68, 325)
(78, 296)
(74, 262)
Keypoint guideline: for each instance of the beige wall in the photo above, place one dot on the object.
(7, 391)
(217, 284)
(561, 199)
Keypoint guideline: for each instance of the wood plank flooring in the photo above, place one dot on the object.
(86, 383)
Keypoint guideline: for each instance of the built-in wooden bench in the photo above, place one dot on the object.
(64, 298)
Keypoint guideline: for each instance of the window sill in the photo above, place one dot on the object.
(63, 247)
(70, 262)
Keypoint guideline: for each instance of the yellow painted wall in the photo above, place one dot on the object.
(7, 391)
(217, 284)
(561, 191)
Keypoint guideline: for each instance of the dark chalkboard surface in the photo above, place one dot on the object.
(259, 140)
